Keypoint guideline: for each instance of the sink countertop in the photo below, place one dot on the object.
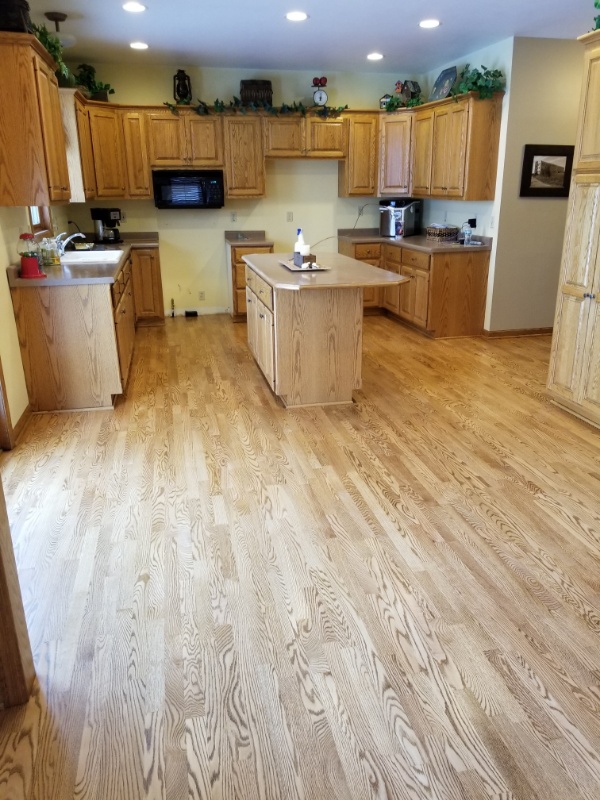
(73, 274)
(248, 239)
(421, 243)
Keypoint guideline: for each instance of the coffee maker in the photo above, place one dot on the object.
(106, 222)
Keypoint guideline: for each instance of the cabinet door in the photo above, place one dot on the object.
(589, 395)
(587, 146)
(569, 360)
(422, 153)
(449, 150)
(357, 174)
(107, 143)
(284, 137)
(55, 150)
(266, 347)
(125, 331)
(147, 285)
(392, 261)
(326, 138)
(136, 154)
(395, 151)
(85, 150)
(406, 302)
(244, 160)
(421, 297)
(252, 321)
(204, 141)
(166, 140)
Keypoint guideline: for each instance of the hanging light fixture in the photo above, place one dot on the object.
(66, 39)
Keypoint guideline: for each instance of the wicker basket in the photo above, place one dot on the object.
(442, 233)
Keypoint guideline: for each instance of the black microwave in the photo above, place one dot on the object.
(188, 188)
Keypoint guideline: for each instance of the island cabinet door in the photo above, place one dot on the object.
(252, 318)
(266, 345)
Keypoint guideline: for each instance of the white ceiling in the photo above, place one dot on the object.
(337, 36)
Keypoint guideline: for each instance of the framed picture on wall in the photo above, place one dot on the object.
(546, 170)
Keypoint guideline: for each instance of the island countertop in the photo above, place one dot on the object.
(343, 272)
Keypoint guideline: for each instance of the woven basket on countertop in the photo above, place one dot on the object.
(442, 233)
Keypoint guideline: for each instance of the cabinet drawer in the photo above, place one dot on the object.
(393, 257)
(238, 252)
(364, 251)
(260, 287)
(415, 258)
(240, 275)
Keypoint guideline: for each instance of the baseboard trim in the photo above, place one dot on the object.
(21, 424)
(517, 332)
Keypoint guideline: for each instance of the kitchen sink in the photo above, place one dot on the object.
(91, 257)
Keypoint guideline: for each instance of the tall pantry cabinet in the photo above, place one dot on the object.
(574, 374)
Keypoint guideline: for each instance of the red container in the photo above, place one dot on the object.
(30, 268)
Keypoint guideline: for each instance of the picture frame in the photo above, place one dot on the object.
(546, 170)
(444, 83)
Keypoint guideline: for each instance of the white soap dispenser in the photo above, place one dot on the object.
(299, 241)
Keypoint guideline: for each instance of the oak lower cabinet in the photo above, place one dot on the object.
(368, 253)
(392, 261)
(261, 335)
(455, 148)
(244, 159)
(236, 275)
(76, 342)
(109, 151)
(395, 132)
(413, 300)
(357, 173)
(147, 286)
(34, 168)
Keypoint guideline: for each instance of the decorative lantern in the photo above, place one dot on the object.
(182, 87)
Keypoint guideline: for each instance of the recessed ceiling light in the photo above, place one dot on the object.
(429, 23)
(296, 16)
(139, 45)
(374, 56)
(134, 7)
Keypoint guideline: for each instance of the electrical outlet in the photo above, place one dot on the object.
(289, 217)
(234, 216)
(472, 221)
(201, 295)
(123, 216)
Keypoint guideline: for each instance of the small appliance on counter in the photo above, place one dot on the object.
(106, 222)
(399, 216)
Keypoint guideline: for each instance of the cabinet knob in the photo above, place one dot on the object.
(586, 294)
(262, 316)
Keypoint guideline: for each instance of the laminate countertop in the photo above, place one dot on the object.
(247, 239)
(343, 272)
(97, 271)
(421, 243)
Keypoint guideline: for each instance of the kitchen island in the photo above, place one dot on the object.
(305, 328)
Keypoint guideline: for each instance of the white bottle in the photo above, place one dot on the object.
(299, 241)
(468, 233)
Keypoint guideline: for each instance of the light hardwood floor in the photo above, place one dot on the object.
(227, 599)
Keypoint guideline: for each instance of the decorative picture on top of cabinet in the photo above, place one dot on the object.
(546, 170)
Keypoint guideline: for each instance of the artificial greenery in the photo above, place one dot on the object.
(54, 47)
(485, 81)
(86, 77)
(397, 101)
(597, 19)
(237, 107)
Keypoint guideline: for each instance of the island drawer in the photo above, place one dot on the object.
(364, 251)
(120, 282)
(415, 258)
(260, 287)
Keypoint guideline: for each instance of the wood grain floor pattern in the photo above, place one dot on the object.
(227, 600)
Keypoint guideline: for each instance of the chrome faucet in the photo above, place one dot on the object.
(63, 243)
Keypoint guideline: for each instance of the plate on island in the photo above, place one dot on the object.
(311, 267)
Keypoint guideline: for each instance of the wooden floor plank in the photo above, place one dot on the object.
(397, 599)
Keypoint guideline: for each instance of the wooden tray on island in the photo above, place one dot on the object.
(313, 267)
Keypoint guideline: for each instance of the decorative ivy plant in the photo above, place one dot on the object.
(86, 76)
(397, 101)
(485, 81)
(597, 19)
(54, 47)
(237, 107)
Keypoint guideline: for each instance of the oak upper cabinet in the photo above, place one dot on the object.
(55, 150)
(185, 140)
(574, 373)
(422, 144)
(455, 148)
(244, 159)
(137, 164)
(86, 151)
(147, 286)
(29, 163)
(357, 174)
(326, 138)
(284, 137)
(394, 154)
(449, 148)
(108, 147)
